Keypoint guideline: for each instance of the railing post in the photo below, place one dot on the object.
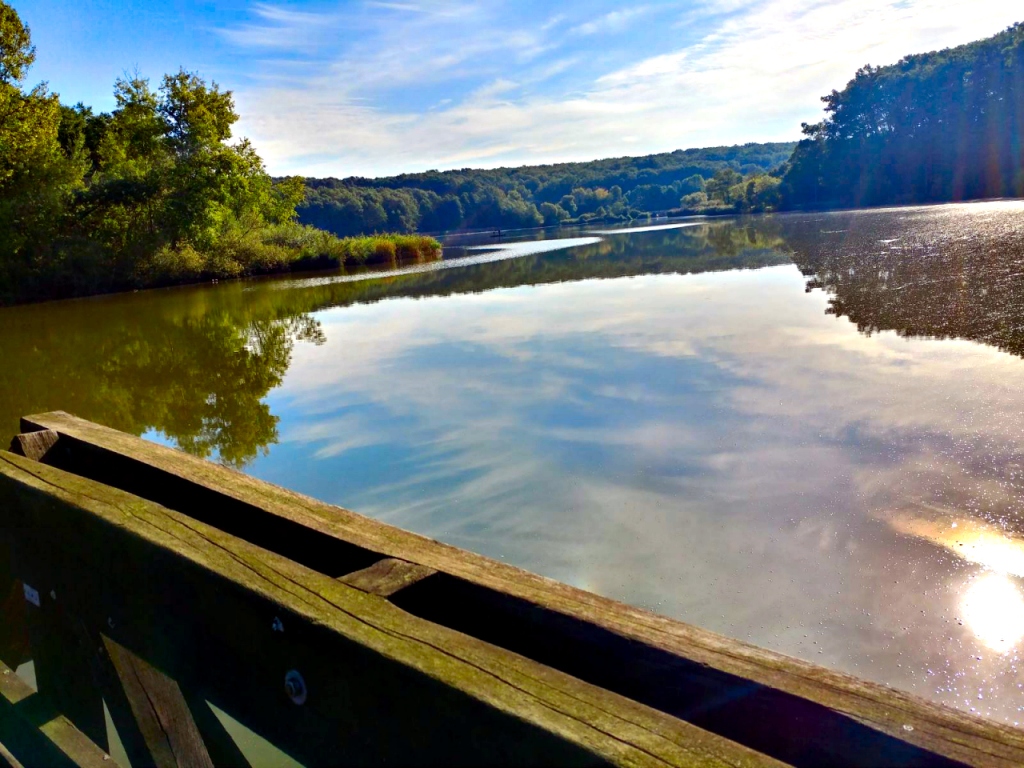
(63, 661)
(14, 647)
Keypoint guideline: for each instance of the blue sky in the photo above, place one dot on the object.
(375, 87)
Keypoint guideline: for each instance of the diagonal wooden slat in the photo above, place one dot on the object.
(49, 737)
(7, 759)
(171, 738)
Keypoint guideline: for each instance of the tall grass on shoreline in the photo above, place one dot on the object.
(288, 247)
(389, 249)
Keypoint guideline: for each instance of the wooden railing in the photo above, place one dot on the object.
(159, 584)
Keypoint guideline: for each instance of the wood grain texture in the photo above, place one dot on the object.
(383, 684)
(171, 736)
(387, 576)
(762, 696)
(34, 445)
(50, 738)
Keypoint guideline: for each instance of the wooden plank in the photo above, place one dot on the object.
(51, 738)
(34, 445)
(383, 685)
(797, 711)
(171, 737)
(330, 555)
(7, 758)
(387, 576)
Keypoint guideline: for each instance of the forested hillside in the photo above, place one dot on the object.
(934, 127)
(719, 178)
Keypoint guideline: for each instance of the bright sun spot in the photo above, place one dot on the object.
(993, 608)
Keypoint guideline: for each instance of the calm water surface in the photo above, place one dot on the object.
(802, 431)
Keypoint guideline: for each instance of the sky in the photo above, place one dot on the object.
(378, 87)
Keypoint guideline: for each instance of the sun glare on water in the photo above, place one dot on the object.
(992, 604)
(993, 608)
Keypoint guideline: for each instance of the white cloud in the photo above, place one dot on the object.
(616, 21)
(281, 28)
(753, 76)
(415, 7)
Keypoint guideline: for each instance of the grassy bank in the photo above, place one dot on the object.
(286, 247)
(277, 249)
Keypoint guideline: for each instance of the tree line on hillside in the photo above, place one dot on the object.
(148, 194)
(935, 127)
(693, 180)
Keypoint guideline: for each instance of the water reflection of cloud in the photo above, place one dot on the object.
(653, 228)
(714, 447)
(969, 539)
(532, 247)
(490, 254)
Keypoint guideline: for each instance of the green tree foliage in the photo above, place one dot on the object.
(16, 50)
(506, 198)
(553, 213)
(939, 126)
(154, 192)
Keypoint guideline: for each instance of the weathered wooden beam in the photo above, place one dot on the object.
(376, 683)
(169, 734)
(791, 709)
(387, 576)
(48, 738)
(34, 445)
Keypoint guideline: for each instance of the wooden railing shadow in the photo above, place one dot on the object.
(161, 584)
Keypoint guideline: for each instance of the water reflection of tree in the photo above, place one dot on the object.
(919, 277)
(196, 364)
(198, 374)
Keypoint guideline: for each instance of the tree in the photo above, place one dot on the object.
(153, 192)
(17, 53)
(720, 185)
(553, 214)
(36, 175)
(938, 126)
(486, 199)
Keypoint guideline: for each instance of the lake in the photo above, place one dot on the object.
(802, 431)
